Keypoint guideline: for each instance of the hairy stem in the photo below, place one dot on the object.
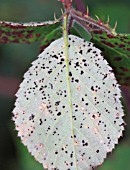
(89, 23)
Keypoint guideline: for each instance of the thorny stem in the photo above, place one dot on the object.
(88, 23)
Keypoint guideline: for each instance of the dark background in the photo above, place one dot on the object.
(15, 60)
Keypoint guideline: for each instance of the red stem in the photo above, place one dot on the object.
(67, 4)
(80, 6)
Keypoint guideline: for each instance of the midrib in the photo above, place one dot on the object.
(65, 35)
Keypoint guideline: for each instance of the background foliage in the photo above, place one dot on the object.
(15, 60)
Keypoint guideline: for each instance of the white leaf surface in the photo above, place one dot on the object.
(62, 136)
(29, 24)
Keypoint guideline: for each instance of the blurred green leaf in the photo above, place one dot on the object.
(51, 36)
(116, 50)
(119, 160)
(57, 33)
(25, 33)
(82, 32)
(26, 161)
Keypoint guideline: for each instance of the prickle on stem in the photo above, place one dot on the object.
(87, 13)
(99, 21)
(115, 26)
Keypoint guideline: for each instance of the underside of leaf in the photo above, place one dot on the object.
(63, 137)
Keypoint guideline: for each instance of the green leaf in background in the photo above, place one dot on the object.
(26, 161)
(55, 34)
(116, 50)
(119, 160)
(82, 32)
(68, 111)
(25, 33)
(51, 36)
